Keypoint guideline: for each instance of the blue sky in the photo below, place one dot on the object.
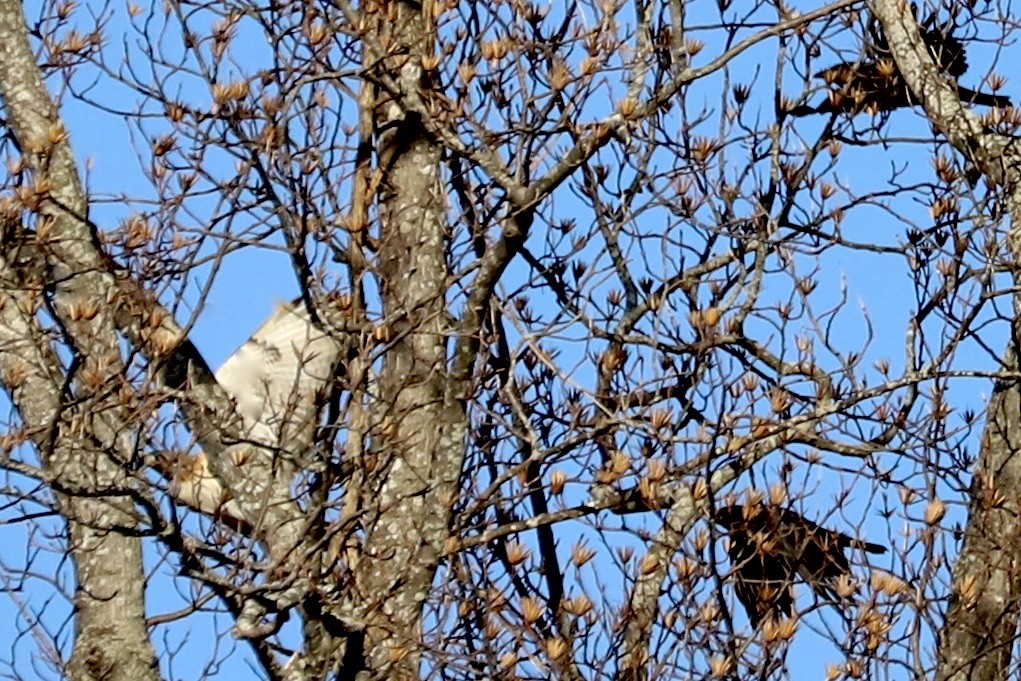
(252, 281)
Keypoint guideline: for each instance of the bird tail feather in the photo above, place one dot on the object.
(983, 98)
(804, 110)
(868, 547)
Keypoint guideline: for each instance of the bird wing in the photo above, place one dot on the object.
(948, 51)
(763, 577)
(278, 378)
(762, 574)
(818, 552)
(821, 560)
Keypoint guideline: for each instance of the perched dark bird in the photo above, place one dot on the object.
(874, 84)
(769, 546)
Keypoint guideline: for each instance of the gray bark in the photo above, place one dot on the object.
(111, 641)
(420, 446)
(978, 636)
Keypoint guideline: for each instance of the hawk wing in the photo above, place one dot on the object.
(277, 379)
(279, 376)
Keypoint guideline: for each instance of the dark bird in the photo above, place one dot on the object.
(769, 546)
(874, 84)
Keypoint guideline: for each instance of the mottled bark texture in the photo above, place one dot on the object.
(978, 636)
(81, 445)
(422, 426)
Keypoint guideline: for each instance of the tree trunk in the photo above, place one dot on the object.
(419, 445)
(978, 638)
(111, 642)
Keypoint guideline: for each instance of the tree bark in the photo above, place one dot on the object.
(978, 636)
(111, 642)
(977, 639)
(420, 426)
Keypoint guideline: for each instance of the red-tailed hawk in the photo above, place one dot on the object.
(277, 379)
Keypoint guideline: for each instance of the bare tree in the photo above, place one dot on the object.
(977, 639)
(575, 383)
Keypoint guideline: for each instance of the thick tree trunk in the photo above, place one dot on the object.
(420, 426)
(421, 445)
(112, 642)
(978, 639)
(978, 635)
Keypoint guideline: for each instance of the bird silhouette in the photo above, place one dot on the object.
(874, 84)
(770, 546)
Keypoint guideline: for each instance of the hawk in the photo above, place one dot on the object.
(278, 377)
(278, 380)
(874, 84)
(769, 546)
